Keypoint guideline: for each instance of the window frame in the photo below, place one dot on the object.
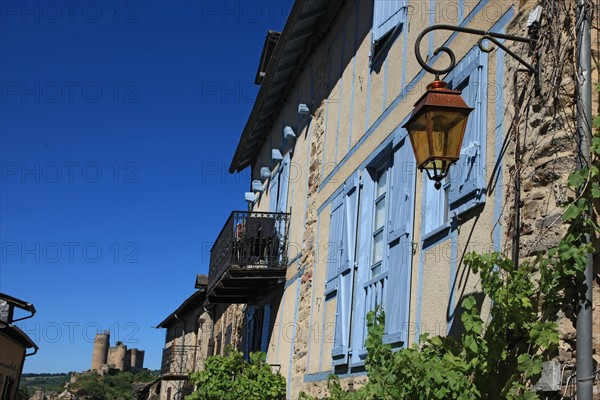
(383, 167)
(474, 64)
(381, 40)
(392, 284)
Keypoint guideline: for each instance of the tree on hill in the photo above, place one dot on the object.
(119, 386)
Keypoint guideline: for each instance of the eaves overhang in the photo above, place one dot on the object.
(21, 337)
(190, 304)
(308, 18)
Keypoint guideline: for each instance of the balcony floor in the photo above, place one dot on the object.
(242, 285)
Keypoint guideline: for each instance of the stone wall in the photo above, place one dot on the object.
(189, 342)
(547, 135)
(309, 245)
(228, 327)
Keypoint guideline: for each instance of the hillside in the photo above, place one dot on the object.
(46, 382)
(89, 386)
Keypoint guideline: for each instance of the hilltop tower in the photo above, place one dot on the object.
(140, 359)
(100, 354)
(136, 359)
(117, 356)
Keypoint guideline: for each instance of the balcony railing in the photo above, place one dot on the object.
(248, 257)
(178, 361)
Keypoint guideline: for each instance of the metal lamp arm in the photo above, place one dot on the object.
(484, 35)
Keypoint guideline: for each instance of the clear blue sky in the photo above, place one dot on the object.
(118, 122)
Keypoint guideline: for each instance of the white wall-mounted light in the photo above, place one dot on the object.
(303, 109)
(257, 186)
(250, 197)
(276, 155)
(288, 133)
(265, 173)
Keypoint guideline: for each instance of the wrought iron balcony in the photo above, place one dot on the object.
(248, 258)
(178, 361)
(165, 365)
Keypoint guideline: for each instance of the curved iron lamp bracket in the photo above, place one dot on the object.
(493, 37)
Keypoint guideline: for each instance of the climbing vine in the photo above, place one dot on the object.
(231, 377)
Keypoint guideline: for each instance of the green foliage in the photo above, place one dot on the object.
(231, 377)
(496, 360)
(109, 387)
(46, 382)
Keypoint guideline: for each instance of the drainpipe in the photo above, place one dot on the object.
(516, 243)
(585, 375)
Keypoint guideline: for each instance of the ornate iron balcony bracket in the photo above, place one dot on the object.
(493, 37)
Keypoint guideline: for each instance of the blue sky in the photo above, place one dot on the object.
(118, 121)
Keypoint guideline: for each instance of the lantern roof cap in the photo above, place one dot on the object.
(438, 95)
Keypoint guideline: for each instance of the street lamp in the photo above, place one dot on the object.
(436, 129)
(437, 124)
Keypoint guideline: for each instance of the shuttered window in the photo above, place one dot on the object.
(377, 199)
(278, 186)
(467, 177)
(384, 266)
(464, 188)
(340, 266)
(369, 256)
(387, 14)
(265, 334)
(436, 205)
(401, 216)
(258, 328)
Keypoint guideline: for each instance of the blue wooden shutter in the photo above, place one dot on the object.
(278, 187)
(335, 246)
(273, 191)
(467, 185)
(249, 329)
(401, 214)
(335, 249)
(435, 204)
(363, 270)
(284, 178)
(387, 14)
(349, 226)
(401, 191)
(264, 338)
(345, 273)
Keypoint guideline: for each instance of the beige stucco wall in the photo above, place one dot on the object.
(330, 126)
(11, 362)
(348, 100)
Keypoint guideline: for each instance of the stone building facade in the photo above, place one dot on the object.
(335, 182)
(189, 330)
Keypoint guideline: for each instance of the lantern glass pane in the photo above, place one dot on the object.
(418, 138)
(439, 165)
(447, 133)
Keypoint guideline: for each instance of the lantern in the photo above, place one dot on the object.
(436, 129)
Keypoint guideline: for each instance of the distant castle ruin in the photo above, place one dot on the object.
(117, 357)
